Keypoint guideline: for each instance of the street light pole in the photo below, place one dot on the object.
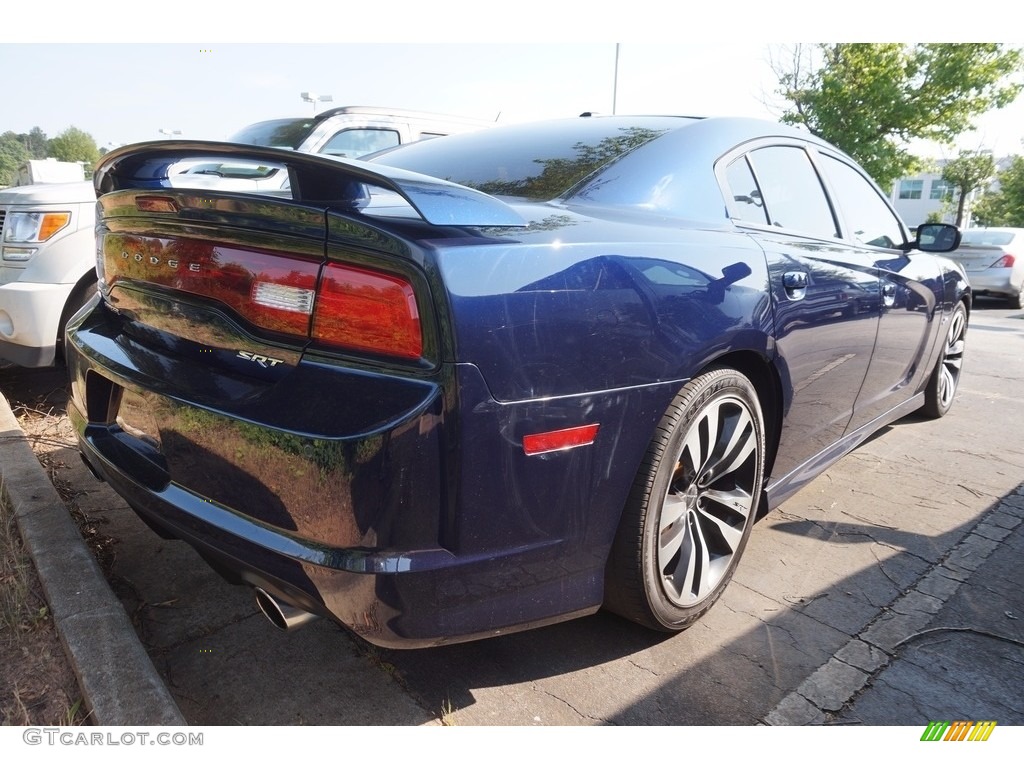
(313, 98)
(615, 82)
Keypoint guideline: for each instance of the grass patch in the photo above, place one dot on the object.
(37, 685)
(447, 713)
(20, 609)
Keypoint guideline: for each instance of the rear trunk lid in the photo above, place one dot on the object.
(981, 249)
(249, 282)
(271, 355)
(978, 258)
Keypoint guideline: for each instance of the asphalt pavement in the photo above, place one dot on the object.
(950, 646)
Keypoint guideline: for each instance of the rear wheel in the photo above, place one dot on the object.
(692, 505)
(942, 386)
(1017, 302)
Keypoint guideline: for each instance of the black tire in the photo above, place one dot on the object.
(697, 494)
(78, 299)
(945, 379)
(1017, 302)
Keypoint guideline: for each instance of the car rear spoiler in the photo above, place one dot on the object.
(315, 179)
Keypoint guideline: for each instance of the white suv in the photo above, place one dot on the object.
(47, 266)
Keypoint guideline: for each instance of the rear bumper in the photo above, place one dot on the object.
(351, 514)
(394, 599)
(1005, 282)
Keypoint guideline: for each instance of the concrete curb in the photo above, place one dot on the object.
(118, 680)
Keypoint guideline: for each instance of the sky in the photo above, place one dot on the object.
(212, 91)
(256, 64)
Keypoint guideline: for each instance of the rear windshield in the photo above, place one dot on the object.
(536, 162)
(230, 171)
(986, 237)
(282, 134)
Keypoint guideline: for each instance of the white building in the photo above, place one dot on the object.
(916, 197)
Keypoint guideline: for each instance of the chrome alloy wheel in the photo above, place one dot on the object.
(692, 505)
(709, 501)
(952, 359)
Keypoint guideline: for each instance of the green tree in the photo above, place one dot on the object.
(971, 170)
(1005, 206)
(12, 154)
(74, 145)
(871, 99)
(37, 143)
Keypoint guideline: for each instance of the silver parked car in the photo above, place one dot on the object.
(994, 262)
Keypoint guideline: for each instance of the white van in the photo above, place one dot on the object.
(47, 262)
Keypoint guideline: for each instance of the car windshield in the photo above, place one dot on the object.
(536, 162)
(282, 134)
(986, 237)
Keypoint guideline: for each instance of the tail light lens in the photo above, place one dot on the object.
(338, 305)
(367, 311)
(1006, 261)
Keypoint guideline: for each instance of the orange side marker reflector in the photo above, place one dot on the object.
(559, 440)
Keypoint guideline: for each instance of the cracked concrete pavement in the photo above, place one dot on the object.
(888, 591)
(957, 625)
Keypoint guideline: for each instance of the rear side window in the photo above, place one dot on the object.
(747, 203)
(792, 193)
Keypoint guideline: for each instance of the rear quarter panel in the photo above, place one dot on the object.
(553, 328)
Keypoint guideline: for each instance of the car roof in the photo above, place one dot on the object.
(660, 165)
(708, 135)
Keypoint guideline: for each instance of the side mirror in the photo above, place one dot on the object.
(937, 238)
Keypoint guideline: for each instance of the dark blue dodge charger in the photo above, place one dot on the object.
(493, 381)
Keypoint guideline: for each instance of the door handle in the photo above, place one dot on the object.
(888, 294)
(795, 284)
(795, 279)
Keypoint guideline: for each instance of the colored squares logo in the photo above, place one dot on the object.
(958, 730)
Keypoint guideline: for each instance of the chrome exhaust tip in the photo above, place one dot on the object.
(90, 467)
(281, 614)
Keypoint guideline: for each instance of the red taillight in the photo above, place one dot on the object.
(341, 305)
(274, 291)
(269, 291)
(1006, 261)
(367, 311)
